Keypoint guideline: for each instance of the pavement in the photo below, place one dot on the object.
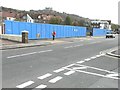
(7, 44)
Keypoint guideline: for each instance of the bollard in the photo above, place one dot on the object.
(24, 36)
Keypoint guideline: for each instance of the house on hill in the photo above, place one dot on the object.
(40, 18)
(102, 24)
(8, 15)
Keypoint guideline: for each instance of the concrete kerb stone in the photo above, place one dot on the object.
(31, 44)
(24, 46)
(110, 53)
(114, 55)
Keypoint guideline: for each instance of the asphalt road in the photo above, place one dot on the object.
(77, 64)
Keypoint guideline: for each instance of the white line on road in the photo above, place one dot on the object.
(102, 54)
(68, 47)
(41, 86)
(111, 57)
(88, 59)
(96, 68)
(69, 73)
(73, 46)
(26, 54)
(54, 80)
(45, 76)
(98, 56)
(112, 75)
(80, 61)
(25, 84)
(96, 74)
(59, 70)
(78, 45)
(22, 55)
(45, 51)
(69, 65)
(93, 57)
(83, 67)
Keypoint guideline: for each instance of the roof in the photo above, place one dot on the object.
(7, 14)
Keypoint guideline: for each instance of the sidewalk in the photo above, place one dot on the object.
(5, 44)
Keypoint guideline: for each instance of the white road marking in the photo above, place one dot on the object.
(45, 51)
(69, 73)
(83, 67)
(111, 57)
(69, 65)
(26, 54)
(41, 86)
(78, 45)
(45, 76)
(88, 59)
(80, 61)
(59, 70)
(25, 84)
(98, 55)
(112, 75)
(102, 54)
(69, 47)
(96, 74)
(54, 80)
(22, 55)
(96, 68)
(93, 57)
(73, 46)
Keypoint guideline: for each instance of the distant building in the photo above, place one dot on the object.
(29, 19)
(102, 24)
(8, 16)
(40, 18)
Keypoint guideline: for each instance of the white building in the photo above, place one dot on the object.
(102, 24)
(10, 18)
(29, 19)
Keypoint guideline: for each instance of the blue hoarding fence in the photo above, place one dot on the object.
(43, 31)
(99, 32)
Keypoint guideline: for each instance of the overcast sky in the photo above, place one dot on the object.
(93, 9)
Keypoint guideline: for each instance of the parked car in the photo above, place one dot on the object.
(110, 35)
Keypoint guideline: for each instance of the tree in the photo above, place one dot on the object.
(114, 26)
(55, 20)
(81, 23)
(68, 21)
(75, 23)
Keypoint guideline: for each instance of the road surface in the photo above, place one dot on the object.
(80, 63)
